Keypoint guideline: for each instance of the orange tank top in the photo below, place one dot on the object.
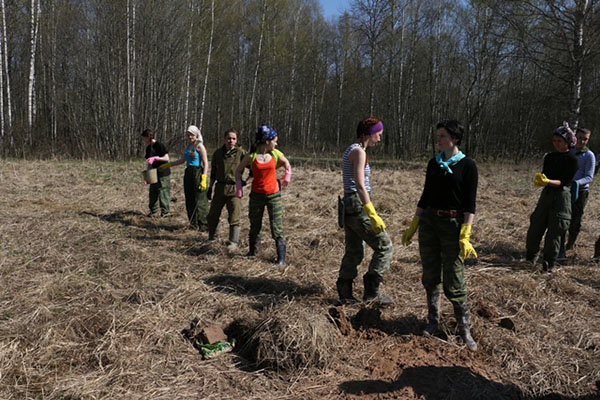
(264, 177)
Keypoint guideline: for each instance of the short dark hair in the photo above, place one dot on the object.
(149, 133)
(453, 127)
(231, 130)
(585, 131)
(365, 124)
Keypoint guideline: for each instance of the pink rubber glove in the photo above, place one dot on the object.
(238, 189)
(151, 160)
(287, 177)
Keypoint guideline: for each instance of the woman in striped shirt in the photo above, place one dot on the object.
(361, 222)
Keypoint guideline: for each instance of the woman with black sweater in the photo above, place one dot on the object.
(445, 214)
(552, 213)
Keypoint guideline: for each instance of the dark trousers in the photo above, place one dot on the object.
(576, 217)
(196, 202)
(552, 215)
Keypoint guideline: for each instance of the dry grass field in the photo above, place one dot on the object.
(94, 296)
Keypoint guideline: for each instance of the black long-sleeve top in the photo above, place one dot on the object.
(560, 166)
(450, 191)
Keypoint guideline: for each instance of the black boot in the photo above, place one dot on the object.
(462, 320)
(371, 293)
(280, 252)
(211, 232)
(548, 266)
(252, 241)
(433, 314)
(344, 288)
(597, 250)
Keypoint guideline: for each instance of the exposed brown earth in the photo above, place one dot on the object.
(95, 295)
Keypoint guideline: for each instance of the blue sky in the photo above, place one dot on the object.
(333, 8)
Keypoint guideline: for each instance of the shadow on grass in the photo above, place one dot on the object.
(594, 284)
(436, 383)
(265, 291)
(501, 255)
(130, 218)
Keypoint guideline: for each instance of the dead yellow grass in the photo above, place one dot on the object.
(94, 294)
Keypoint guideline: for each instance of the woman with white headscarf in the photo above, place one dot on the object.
(194, 179)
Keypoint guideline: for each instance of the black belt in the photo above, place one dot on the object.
(445, 213)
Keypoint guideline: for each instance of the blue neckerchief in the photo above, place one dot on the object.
(452, 160)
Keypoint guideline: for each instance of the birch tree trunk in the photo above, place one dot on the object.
(188, 69)
(289, 117)
(581, 10)
(210, 45)
(7, 74)
(130, 73)
(2, 133)
(35, 14)
(257, 66)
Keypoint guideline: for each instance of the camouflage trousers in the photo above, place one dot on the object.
(439, 249)
(358, 230)
(256, 209)
(552, 215)
(160, 193)
(196, 202)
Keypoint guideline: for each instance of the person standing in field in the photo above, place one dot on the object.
(194, 178)
(156, 155)
(222, 178)
(552, 213)
(444, 217)
(586, 161)
(362, 224)
(265, 192)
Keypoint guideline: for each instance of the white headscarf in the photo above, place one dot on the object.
(193, 129)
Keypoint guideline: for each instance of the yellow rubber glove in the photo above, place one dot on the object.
(376, 222)
(466, 248)
(203, 183)
(540, 179)
(165, 166)
(409, 233)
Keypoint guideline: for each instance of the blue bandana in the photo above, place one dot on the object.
(265, 133)
(452, 160)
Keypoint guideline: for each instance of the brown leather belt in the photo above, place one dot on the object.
(445, 213)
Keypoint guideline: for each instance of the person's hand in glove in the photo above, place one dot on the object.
(409, 233)
(376, 222)
(151, 160)
(466, 248)
(540, 179)
(202, 185)
(165, 166)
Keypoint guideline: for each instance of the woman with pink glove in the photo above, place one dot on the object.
(264, 160)
(157, 154)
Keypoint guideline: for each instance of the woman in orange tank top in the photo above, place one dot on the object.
(264, 161)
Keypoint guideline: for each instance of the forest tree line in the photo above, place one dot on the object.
(83, 78)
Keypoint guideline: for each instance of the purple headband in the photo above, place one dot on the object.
(566, 133)
(373, 129)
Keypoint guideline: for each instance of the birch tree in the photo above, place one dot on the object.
(31, 111)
